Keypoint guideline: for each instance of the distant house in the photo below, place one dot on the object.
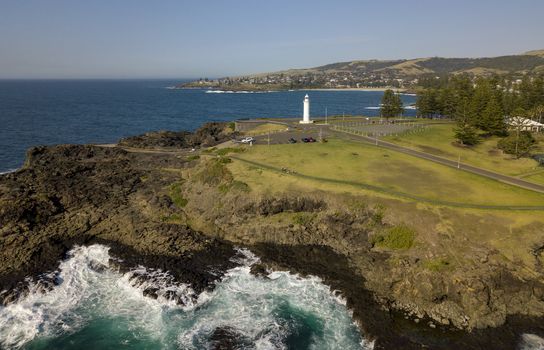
(525, 124)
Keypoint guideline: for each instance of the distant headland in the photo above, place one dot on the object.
(404, 74)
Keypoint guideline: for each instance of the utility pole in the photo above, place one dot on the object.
(459, 162)
(269, 139)
(326, 115)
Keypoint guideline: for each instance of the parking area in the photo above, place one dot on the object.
(297, 133)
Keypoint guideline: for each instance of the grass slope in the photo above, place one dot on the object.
(343, 163)
(437, 140)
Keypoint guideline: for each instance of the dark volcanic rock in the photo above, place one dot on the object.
(68, 195)
(163, 138)
(390, 328)
(271, 206)
(227, 338)
(210, 134)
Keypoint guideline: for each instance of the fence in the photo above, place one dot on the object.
(378, 128)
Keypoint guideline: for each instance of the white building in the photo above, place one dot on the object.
(525, 124)
(306, 111)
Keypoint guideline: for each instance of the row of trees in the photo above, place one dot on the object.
(481, 108)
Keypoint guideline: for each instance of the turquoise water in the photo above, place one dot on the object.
(102, 111)
(102, 309)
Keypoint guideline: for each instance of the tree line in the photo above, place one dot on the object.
(482, 108)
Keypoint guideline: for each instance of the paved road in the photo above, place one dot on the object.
(451, 163)
(297, 131)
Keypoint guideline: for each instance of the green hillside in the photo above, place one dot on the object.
(403, 73)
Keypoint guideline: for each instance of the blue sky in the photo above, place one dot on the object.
(174, 39)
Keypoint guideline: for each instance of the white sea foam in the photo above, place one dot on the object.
(379, 107)
(8, 171)
(531, 342)
(263, 311)
(86, 291)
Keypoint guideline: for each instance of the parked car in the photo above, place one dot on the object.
(248, 139)
(311, 139)
(305, 140)
(292, 140)
(539, 158)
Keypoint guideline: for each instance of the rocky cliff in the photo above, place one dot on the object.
(185, 214)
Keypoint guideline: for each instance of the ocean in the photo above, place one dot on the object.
(103, 309)
(100, 308)
(47, 112)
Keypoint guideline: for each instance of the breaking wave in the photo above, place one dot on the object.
(531, 342)
(8, 171)
(93, 305)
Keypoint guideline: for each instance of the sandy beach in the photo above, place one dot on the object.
(360, 89)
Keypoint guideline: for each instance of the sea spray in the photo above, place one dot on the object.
(531, 342)
(94, 305)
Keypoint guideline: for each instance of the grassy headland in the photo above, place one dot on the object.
(439, 140)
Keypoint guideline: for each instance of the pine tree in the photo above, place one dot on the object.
(398, 106)
(391, 105)
(518, 144)
(465, 132)
(493, 118)
(478, 103)
(448, 102)
(426, 103)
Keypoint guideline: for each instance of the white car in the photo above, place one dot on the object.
(248, 140)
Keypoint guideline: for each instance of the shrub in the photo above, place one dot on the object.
(239, 186)
(234, 185)
(398, 237)
(214, 172)
(227, 150)
(518, 144)
(379, 213)
(303, 219)
(172, 218)
(176, 195)
(437, 265)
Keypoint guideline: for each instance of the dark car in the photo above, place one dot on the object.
(311, 139)
(292, 140)
(305, 140)
(539, 158)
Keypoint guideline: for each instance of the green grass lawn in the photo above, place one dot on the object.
(265, 128)
(343, 161)
(438, 139)
(536, 178)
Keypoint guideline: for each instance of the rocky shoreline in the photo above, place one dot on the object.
(149, 214)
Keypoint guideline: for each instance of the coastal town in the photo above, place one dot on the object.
(399, 74)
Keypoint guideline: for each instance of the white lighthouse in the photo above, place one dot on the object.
(306, 113)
